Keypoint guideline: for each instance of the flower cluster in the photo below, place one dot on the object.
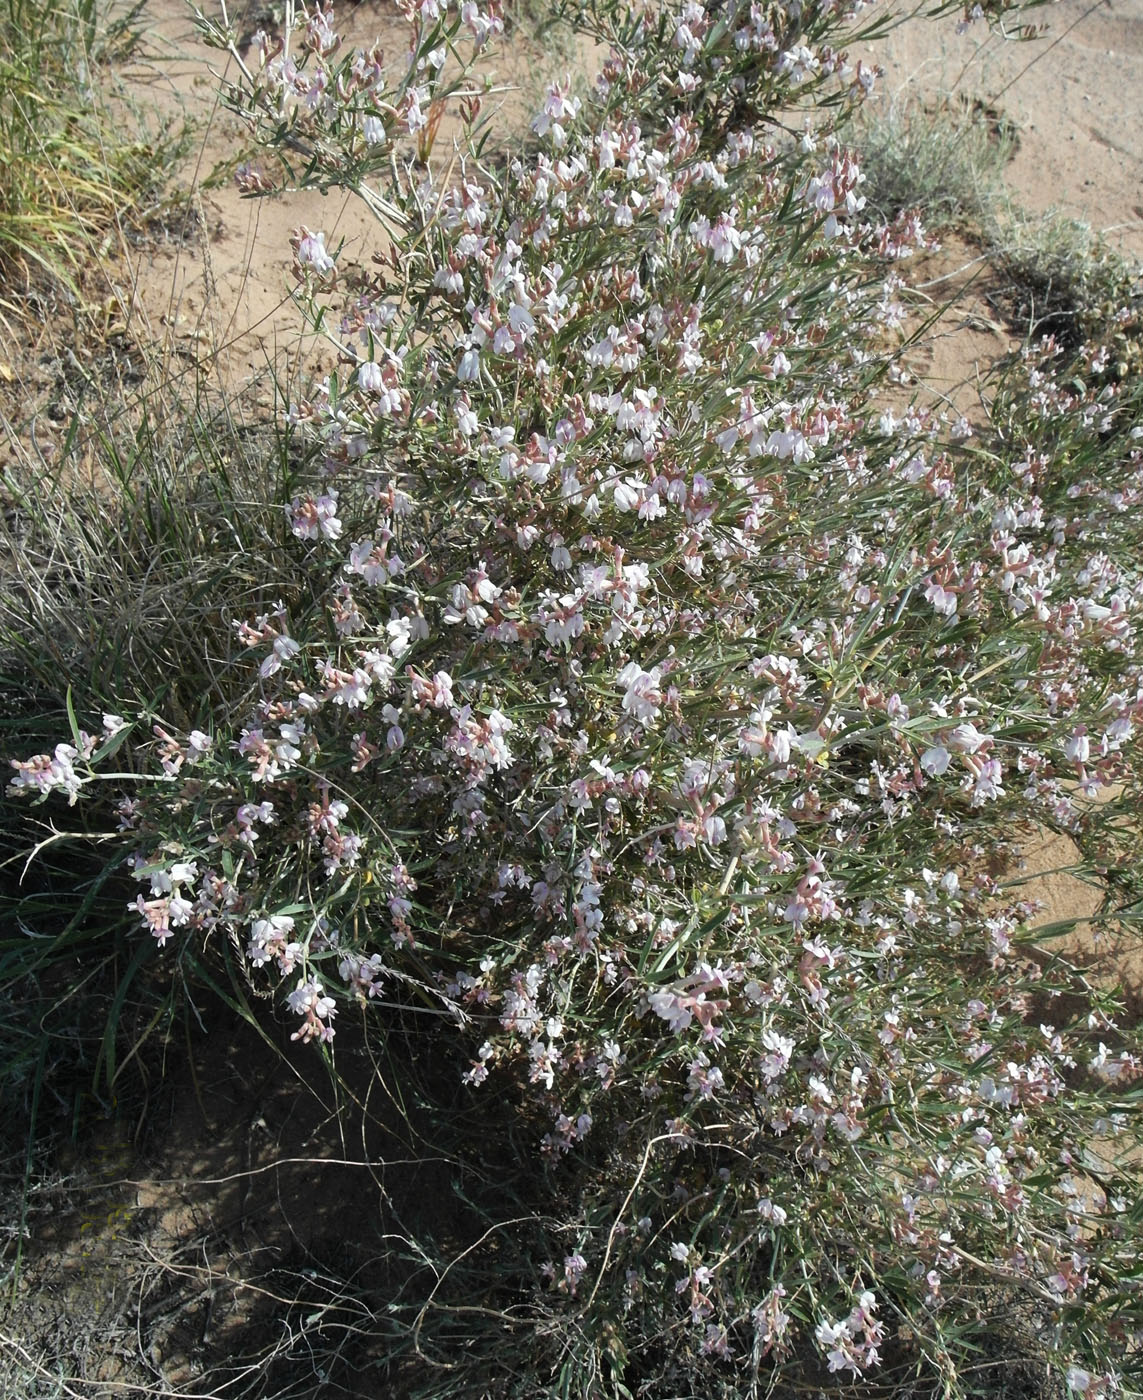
(652, 697)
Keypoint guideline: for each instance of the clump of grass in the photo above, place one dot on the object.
(116, 558)
(69, 173)
(945, 158)
(112, 565)
(1059, 275)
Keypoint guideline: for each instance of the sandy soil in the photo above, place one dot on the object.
(1075, 95)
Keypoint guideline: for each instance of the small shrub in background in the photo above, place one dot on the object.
(1061, 278)
(946, 158)
(634, 706)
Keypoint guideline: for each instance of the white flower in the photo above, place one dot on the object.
(966, 738)
(987, 786)
(284, 649)
(642, 696)
(183, 872)
(944, 601)
(935, 761)
(521, 321)
(369, 378)
(198, 745)
(769, 1211)
(273, 927)
(725, 240)
(315, 517)
(626, 494)
(310, 997)
(602, 352)
(779, 1048)
(312, 253)
(667, 1005)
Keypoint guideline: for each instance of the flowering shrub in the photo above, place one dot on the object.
(656, 702)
